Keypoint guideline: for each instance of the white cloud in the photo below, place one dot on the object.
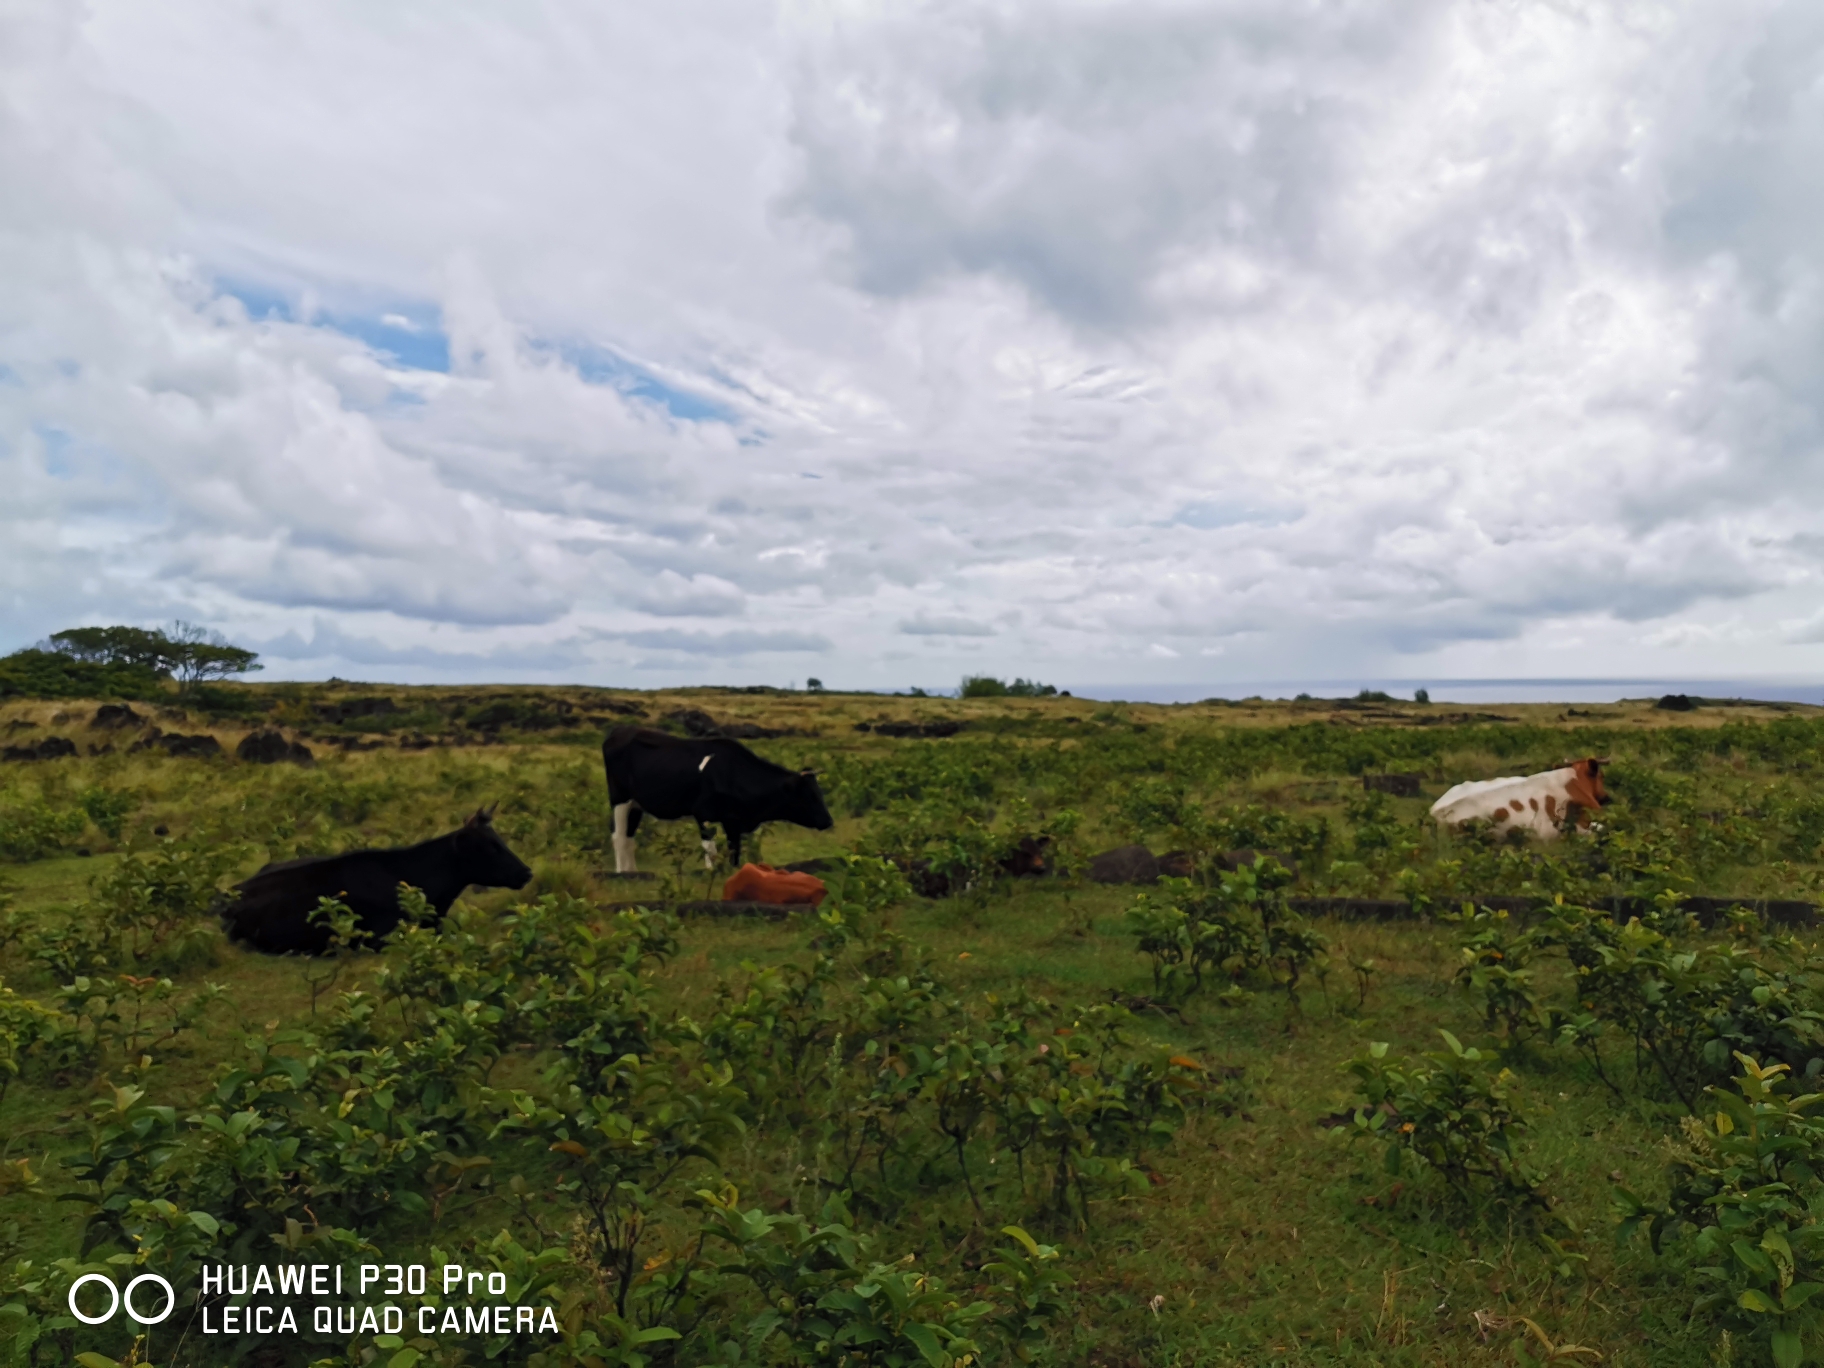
(928, 624)
(728, 643)
(1169, 340)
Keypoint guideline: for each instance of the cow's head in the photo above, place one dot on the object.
(803, 800)
(484, 855)
(1585, 788)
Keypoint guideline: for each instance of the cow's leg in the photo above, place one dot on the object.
(707, 834)
(734, 847)
(623, 839)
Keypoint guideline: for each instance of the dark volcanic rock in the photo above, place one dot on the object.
(695, 722)
(202, 747)
(51, 748)
(1353, 909)
(345, 709)
(271, 747)
(1124, 865)
(945, 727)
(113, 715)
(1399, 785)
(1177, 864)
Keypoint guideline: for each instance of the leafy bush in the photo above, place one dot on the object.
(108, 809)
(34, 829)
(1687, 1011)
(1497, 967)
(25, 1026)
(48, 674)
(1241, 928)
(1452, 1113)
(152, 909)
(987, 686)
(1747, 1184)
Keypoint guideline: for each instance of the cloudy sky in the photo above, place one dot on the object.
(1129, 341)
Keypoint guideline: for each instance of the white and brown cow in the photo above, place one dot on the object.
(1539, 803)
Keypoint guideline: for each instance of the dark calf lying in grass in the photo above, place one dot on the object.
(274, 908)
(1025, 858)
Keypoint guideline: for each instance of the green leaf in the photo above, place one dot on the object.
(1787, 1350)
(405, 1358)
(1456, 1046)
(1032, 1245)
(655, 1334)
(926, 1340)
(1752, 1259)
(1798, 1294)
(1751, 1300)
(206, 1223)
(90, 1359)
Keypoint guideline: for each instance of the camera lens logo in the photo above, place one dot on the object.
(117, 1298)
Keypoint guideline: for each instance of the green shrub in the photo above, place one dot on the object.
(153, 909)
(1687, 1010)
(1241, 928)
(35, 829)
(1451, 1112)
(1747, 1185)
(49, 674)
(1497, 967)
(108, 809)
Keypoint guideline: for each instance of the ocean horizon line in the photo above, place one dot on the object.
(1512, 689)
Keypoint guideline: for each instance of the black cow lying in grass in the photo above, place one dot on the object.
(273, 912)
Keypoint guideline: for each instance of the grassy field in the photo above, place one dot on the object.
(1248, 1225)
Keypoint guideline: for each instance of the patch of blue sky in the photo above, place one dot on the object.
(260, 302)
(411, 335)
(57, 444)
(599, 366)
(414, 344)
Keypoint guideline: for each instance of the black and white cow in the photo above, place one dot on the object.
(717, 781)
(273, 910)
